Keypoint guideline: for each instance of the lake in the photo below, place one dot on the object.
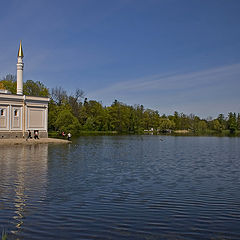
(122, 187)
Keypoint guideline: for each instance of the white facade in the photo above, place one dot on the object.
(20, 113)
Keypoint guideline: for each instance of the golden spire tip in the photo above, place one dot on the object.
(20, 51)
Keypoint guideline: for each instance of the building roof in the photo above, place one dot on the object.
(7, 96)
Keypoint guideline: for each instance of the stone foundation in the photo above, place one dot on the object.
(19, 135)
(43, 134)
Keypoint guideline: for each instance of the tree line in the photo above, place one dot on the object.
(76, 114)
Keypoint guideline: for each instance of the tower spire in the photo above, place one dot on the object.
(20, 51)
(20, 70)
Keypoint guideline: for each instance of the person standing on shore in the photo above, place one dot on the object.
(29, 135)
(36, 135)
(69, 136)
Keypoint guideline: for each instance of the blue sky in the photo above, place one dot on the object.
(165, 54)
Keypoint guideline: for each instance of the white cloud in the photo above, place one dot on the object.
(206, 93)
(173, 82)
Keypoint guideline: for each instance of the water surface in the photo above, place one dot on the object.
(122, 187)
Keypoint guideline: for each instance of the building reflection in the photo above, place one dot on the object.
(25, 175)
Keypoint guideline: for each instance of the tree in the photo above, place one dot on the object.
(166, 124)
(59, 95)
(53, 110)
(202, 126)
(75, 102)
(238, 121)
(37, 88)
(222, 121)
(155, 120)
(138, 118)
(2, 86)
(10, 77)
(216, 125)
(89, 125)
(9, 83)
(194, 124)
(184, 121)
(119, 117)
(176, 120)
(67, 122)
(150, 119)
(232, 122)
(30, 87)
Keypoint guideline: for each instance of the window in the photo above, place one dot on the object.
(15, 113)
(2, 112)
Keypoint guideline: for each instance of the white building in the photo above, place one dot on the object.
(20, 113)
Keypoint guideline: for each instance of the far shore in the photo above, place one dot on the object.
(209, 133)
(13, 141)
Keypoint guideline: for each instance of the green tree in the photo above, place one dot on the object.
(222, 121)
(232, 122)
(238, 121)
(53, 111)
(138, 112)
(96, 115)
(176, 120)
(89, 125)
(150, 119)
(166, 124)
(9, 83)
(37, 88)
(75, 102)
(184, 122)
(202, 126)
(30, 87)
(194, 123)
(119, 117)
(216, 125)
(67, 122)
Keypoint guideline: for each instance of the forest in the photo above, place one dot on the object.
(76, 114)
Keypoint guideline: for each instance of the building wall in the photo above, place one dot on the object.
(16, 118)
(36, 118)
(8, 134)
(18, 114)
(4, 115)
(15, 134)
(10, 117)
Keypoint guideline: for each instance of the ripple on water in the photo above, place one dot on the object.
(122, 187)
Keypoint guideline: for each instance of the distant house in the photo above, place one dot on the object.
(20, 113)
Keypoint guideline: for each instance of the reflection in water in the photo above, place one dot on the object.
(28, 174)
(122, 187)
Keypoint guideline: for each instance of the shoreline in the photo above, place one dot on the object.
(184, 133)
(32, 141)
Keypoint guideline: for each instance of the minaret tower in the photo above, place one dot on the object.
(20, 70)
